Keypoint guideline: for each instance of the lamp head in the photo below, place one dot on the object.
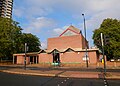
(82, 14)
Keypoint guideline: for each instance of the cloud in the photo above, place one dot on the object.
(44, 45)
(58, 31)
(39, 23)
(18, 12)
(95, 21)
(34, 8)
(40, 14)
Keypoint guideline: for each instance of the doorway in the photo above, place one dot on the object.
(15, 60)
(33, 59)
(56, 58)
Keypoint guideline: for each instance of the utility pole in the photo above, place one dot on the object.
(86, 56)
(25, 56)
(103, 52)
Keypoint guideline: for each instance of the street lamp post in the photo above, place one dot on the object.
(85, 41)
(25, 56)
(102, 36)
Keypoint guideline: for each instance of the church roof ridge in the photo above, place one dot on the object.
(73, 29)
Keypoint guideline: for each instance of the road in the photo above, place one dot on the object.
(25, 80)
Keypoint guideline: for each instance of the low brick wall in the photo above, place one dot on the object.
(42, 64)
(82, 65)
(109, 64)
(5, 62)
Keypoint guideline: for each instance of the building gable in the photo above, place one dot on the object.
(69, 50)
(55, 51)
(42, 51)
(70, 31)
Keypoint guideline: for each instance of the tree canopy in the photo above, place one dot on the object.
(12, 40)
(111, 28)
(32, 42)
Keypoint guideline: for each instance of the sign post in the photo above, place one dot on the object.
(103, 53)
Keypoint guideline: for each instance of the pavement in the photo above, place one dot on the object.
(54, 72)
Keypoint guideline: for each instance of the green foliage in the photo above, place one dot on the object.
(12, 39)
(111, 28)
(32, 41)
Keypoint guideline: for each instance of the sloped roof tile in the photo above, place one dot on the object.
(72, 29)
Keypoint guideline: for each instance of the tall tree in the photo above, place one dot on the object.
(12, 39)
(110, 28)
(32, 41)
(8, 31)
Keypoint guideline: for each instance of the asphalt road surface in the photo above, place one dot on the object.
(27, 80)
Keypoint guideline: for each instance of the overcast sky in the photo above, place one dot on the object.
(49, 18)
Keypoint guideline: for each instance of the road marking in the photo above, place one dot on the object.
(65, 80)
(104, 80)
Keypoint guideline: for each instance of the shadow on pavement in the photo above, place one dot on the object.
(57, 75)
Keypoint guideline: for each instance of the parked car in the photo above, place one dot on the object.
(118, 59)
(112, 60)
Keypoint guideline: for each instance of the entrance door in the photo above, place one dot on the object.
(56, 58)
(15, 59)
(33, 59)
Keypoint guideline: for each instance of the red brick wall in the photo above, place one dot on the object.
(109, 64)
(67, 57)
(83, 42)
(70, 57)
(65, 42)
(74, 57)
(93, 57)
(20, 59)
(45, 58)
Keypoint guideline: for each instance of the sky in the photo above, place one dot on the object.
(49, 18)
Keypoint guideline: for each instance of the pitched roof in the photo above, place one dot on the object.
(58, 50)
(72, 49)
(71, 30)
(42, 51)
(74, 29)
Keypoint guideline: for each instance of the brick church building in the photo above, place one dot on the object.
(68, 48)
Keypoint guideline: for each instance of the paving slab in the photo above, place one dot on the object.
(58, 73)
(61, 73)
